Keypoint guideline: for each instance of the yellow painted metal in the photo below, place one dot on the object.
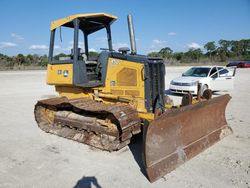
(194, 101)
(73, 92)
(116, 67)
(57, 23)
(118, 85)
(116, 97)
(168, 106)
(148, 116)
(56, 74)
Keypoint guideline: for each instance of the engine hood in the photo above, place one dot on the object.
(187, 79)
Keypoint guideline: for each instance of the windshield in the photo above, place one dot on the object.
(197, 72)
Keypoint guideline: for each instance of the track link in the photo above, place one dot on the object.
(104, 126)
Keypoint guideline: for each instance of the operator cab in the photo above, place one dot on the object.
(86, 69)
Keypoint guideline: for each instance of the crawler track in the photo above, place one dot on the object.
(104, 126)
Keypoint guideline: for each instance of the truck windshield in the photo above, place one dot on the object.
(197, 72)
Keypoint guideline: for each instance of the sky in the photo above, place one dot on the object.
(178, 24)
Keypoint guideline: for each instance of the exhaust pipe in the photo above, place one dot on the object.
(131, 35)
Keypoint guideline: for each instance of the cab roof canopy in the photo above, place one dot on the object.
(89, 23)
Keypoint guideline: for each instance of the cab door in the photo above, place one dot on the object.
(222, 79)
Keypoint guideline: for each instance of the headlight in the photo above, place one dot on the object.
(194, 83)
(172, 82)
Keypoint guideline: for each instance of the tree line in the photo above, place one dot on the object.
(20, 61)
(226, 50)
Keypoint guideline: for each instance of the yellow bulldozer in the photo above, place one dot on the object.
(105, 100)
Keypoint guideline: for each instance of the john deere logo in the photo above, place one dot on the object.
(65, 73)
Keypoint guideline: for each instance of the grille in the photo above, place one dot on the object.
(180, 84)
(157, 81)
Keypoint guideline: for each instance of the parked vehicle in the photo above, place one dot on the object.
(233, 64)
(245, 64)
(216, 78)
(239, 64)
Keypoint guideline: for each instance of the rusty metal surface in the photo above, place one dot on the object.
(180, 134)
(105, 126)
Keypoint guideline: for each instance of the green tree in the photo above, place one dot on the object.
(36, 59)
(43, 60)
(178, 56)
(93, 54)
(224, 47)
(20, 59)
(210, 47)
(222, 54)
(29, 59)
(56, 57)
(225, 44)
(246, 46)
(194, 54)
(166, 52)
(154, 54)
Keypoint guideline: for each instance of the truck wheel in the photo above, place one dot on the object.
(207, 94)
(203, 88)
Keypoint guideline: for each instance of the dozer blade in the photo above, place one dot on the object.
(180, 134)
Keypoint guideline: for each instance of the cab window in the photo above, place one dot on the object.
(223, 72)
(213, 73)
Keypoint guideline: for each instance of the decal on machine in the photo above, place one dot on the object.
(59, 72)
(112, 83)
(65, 73)
(115, 61)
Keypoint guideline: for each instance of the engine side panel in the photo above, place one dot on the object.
(60, 74)
(126, 79)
